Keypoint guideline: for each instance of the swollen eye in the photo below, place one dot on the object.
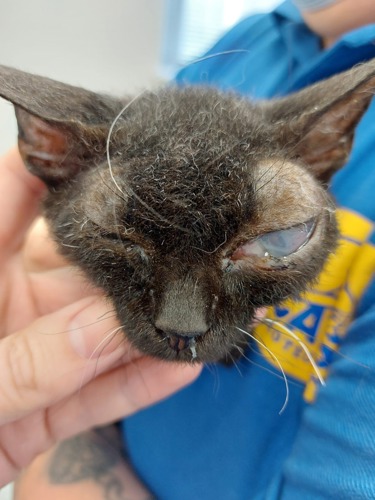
(277, 244)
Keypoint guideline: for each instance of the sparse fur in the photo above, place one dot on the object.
(193, 175)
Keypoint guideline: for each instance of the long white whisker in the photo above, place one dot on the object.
(130, 190)
(109, 137)
(212, 368)
(258, 365)
(235, 364)
(288, 332)
(100, 318)
(102, 345)
(277, 361)
(112, 334)
(338, 353)
(216, 54)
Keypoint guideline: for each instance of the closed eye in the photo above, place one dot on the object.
(276, 245)
(127, 247)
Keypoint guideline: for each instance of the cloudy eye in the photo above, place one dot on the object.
(277, 244)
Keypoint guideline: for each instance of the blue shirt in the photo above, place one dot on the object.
(222, 438)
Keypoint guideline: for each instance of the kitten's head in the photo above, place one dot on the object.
(193, 208)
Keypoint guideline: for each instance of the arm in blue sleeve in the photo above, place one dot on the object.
(334, 452)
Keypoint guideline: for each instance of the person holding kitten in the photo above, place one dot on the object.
(228, 441)
(52, 373)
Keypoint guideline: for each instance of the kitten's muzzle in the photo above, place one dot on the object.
(180, 341)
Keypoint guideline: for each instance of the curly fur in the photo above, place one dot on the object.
(193, 174)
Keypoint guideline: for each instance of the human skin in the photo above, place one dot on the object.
(338, 18)
(58, 377)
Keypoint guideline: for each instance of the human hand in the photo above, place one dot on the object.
(65, 366)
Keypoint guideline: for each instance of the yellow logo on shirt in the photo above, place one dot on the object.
(321, 317)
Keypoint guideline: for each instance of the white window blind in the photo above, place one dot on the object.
(194, 25)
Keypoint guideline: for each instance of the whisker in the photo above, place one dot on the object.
(129, 189)
(258, 365)
(215, 249)
(277, 361)
(101, 346)
(106, 314)
(337, 352)
(114, 191)
(102, 343)
(275, 325)
(217, 54)
(272, 178)
(213, 369)
(235, 364)
(101, 318)
(109, 137)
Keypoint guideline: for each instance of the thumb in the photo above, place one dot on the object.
(56, 355)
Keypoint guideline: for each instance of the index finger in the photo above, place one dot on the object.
(20, 193)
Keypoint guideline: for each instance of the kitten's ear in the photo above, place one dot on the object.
(62, 128)
(321, 119)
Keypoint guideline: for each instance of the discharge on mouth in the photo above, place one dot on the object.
(193, 349)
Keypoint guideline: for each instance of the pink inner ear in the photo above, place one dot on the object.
(49, 149)
(327, 145)
(41, 141)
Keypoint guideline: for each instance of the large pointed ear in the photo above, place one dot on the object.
(318, 123)
(62, 129)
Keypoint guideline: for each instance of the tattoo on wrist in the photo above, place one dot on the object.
(88, 457)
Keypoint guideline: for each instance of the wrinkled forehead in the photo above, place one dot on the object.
(161, 202)
(202, 206)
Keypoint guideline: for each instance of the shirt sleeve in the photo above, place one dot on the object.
(334, 452)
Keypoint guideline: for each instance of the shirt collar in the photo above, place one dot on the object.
(288, 11)
(304, 47)
(301, 42)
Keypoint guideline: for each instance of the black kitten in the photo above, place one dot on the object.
(193, 208)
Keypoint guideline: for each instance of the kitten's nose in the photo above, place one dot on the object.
(181, 334)
(181, 312)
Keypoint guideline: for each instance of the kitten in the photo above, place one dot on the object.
(189, 207)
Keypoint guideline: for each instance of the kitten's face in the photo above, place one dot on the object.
(207, 207)
(189, 238)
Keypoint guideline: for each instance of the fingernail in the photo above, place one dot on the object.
(94, 331)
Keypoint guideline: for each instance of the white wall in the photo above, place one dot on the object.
(112, 45)
(6, 493)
